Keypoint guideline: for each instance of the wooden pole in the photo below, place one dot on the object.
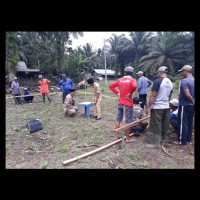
(131, 124)
(93, 152)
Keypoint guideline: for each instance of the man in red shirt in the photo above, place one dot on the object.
(127, 85)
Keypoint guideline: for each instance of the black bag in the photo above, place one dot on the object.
(34, 125)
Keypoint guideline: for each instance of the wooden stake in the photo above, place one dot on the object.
(93, 152)
(131, 124)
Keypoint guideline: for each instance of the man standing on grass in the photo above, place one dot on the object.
(143, 84)
(159, 105)
(127, 85)
(97, 98)
(44, 88)
(65, 85)
(68, 107)
(15, 91)
(186, 106)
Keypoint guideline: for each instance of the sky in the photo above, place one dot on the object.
(95, 38)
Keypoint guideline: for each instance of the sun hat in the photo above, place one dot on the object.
(129, 69)
(162, 69)
(174, 102)
(185, 67)
(140, 72)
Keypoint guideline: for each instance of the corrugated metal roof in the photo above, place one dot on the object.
(102, 71)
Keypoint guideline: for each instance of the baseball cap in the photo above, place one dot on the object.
(129, 69)
(64, 76)
(174, 102)
(185, 67)
(40, 76)
(140, 72)
(162, 69)
(15, 78)
(25, 89)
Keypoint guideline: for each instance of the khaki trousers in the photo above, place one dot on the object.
(97, 107)
(70, 112)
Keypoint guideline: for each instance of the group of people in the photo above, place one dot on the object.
(159, 105)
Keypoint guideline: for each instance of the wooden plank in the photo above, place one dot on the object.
(131, 124)
(93, 152)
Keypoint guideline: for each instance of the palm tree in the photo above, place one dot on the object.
(167, 49)
(117, 51)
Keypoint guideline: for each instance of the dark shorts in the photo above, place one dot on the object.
(174, 122)
(128, 113)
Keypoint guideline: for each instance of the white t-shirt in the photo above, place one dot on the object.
(164, 87)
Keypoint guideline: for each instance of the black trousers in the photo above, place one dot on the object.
(64, 96)
(143, 99)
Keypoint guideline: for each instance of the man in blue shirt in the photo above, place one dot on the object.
(186, 106)
(143, 84)
(65, 85)
(27, 98)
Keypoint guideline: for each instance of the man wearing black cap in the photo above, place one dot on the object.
(159, 106)
(68, 107)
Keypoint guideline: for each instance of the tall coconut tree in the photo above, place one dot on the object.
(167, 49)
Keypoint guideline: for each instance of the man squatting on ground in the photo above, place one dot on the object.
(44, 88)
(65, 85)
(97, 98)
(143, 84)
(127, 85)
(159, 104)
(68, 107)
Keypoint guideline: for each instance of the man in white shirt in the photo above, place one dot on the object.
(159, 107)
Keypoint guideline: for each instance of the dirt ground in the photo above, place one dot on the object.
(65, 138)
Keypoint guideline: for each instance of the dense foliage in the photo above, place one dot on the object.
(50, 52)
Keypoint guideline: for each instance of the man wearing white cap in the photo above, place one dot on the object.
(186, 106)
(174, 114)
(159, 106)
(127, 85)
(16, 91)
(143, 84)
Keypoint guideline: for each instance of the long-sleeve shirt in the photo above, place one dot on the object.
(143, 84)
(66, 85)
(127, 85)
(44, 88)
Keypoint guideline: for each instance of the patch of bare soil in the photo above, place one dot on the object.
(65, 138)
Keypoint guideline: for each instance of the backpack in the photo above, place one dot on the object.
(34, 125)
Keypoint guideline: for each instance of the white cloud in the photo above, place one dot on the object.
(95, 38)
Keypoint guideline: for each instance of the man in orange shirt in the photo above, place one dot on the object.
(127, 85)
(44, 89)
